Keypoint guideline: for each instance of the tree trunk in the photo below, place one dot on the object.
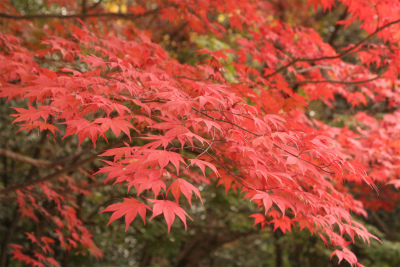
(203, 244)
(278, 249)
(12, 224)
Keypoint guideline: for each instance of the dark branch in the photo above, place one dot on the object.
(84, 7)
(259, 135)
(81, 16)
(298, 156)
(58, 173)
(49, 177)
(340, 82)
(22, 158)
(234, 124)
(345, 53)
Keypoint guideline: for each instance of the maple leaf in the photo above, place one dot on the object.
(130, 208)
(266, 200)
(31, 237)
(284, 223)
(116, 124)
(52, 262)
(259, 219)
(326, 4)
(163, 157)
(291, 160)
(345, 254)
(182, 186)
(396, 183)
(153, 181)
(202, 165)
(19, 255)
(169, 209)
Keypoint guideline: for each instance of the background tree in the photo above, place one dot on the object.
(272, 101)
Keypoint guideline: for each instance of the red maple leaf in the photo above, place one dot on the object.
(169, 209)
(130, 208)
(181, 185)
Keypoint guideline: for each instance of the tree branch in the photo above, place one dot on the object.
(259, 135)
(337, 81)
(22, 158)
(83, 7)
(298, 156)
(81, 16)
(7, 237)
(49, 177)
(343, 54)
(58, 173)
(234, 124)
(316, 67)
(38, 162)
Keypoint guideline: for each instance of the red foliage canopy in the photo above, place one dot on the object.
(237, 115)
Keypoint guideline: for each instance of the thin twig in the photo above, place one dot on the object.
(258, 135)
(345, 53)
(316, 67)
(238, 179)
(297, 156)
(212, 142)
(234, 124)
(340, 82)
